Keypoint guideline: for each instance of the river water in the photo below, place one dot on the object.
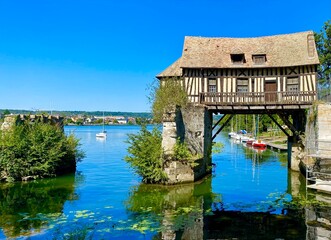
(245, 198)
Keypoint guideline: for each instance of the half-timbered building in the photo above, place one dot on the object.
(262, 72)
(261, 75)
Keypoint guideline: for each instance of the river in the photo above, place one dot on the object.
(245, 198)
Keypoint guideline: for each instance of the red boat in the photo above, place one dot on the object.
(259, 144)
(250, 141)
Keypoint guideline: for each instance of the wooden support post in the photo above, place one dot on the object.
(288, 123)
(220, 129)
(219, 121)
(281, 128)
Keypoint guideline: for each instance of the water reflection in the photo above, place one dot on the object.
(246, 198)
(178, 210)
(28, 207)
(192, 211)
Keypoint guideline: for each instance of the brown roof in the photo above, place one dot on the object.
(174, 70)
(281, 51)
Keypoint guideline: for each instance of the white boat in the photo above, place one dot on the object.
(244, 138)
(232, 134)
(102, 134)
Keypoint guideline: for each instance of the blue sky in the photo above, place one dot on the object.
(102, 54)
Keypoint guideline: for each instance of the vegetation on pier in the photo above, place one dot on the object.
(145, 155)
(37, 150)
(165, 96)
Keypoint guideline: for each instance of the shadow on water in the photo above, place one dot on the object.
(30, 206)
(192, 211)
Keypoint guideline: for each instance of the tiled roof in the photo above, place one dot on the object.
(285, 50)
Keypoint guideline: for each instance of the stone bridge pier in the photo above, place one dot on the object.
(192, 125)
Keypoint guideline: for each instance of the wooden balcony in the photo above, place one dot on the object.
(258, 101)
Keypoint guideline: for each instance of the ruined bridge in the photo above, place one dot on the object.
(228, 76)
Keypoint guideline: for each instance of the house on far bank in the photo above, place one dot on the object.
(121, 120)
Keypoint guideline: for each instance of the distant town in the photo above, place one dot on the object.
(90, 118)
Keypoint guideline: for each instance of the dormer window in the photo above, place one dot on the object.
(259, 59)
(238, 58)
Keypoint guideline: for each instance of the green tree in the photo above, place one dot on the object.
(145, 155)
(6, 112)
(165, 96)
(323, 45)
(39, 150)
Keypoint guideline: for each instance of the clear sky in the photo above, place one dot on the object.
(102, 54)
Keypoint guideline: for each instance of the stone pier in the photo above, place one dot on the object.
(192, 125)
(316, 164)
(11, 120)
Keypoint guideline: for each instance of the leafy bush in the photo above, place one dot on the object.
(145, 155)
(165, 96)
(38, 150)
(181, 151)
(217, 147)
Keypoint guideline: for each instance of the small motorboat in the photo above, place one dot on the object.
(232, 134)
(250, 141)
(259, 144)
(244, 138)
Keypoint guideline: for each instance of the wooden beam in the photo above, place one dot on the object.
(221, 128)
(281, 128)
(290, 125)
(218, 121)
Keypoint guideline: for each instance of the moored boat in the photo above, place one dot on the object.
(259, 144)
(102, 134)
(250, 141)
(232, 134)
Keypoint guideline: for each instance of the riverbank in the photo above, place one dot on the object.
(278, 143)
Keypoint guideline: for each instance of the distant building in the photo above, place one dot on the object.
(122, 121)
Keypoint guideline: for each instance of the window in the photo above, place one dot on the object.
(292, 84)
(238, 58)
(242, 85)
(211, 85)
(259, 59)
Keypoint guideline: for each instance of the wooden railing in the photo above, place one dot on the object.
(260, 98)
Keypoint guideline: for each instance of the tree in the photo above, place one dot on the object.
(165, 96)
(6, 112)
(38, 150)
(323, 45)
(145, 155)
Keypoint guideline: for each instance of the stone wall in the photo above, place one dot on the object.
(318, 223)
(11, 120)
(318, 130)
(324, 130)
(193, 125)
(197, 132)
(318, 138)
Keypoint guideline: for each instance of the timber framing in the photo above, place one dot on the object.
(248, 75)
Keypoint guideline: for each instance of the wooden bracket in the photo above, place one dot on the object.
(220, 129)
(281, 128)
